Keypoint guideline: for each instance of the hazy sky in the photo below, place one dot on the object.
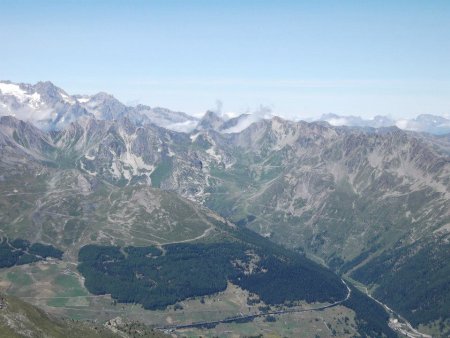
(302, 58)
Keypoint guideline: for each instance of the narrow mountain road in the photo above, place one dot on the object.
(205, 233)
(171, 328)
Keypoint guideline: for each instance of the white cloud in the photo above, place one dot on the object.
(184, 127)
(337, 122)
(264, 112)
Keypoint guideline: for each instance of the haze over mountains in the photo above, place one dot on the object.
(51, 108)
(426, 123)
(372, 202)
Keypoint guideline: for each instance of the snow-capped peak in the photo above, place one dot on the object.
(50, 107)
(7, 88)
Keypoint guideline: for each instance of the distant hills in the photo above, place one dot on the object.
(426, 123)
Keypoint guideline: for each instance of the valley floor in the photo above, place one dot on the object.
(56, 287)
(396, 322)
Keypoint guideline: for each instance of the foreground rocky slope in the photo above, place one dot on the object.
(20, 319)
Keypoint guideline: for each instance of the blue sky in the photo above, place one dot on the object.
(302, 58)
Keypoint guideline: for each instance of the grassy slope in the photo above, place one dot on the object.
(68, 210)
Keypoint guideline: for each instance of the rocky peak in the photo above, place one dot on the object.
(210, 120)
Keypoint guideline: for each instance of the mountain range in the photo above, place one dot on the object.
(370, 202)
(51, 108)
(425, 123)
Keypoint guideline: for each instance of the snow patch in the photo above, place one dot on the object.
(83, 99)
(13, 89)
(35, 100)
(67, 98)
(211, 152)
(194, 137)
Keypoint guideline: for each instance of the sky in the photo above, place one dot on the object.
(300, 58)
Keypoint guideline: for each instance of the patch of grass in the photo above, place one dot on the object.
(57, 302)
(161, 172)
(69, 286)
(19, 278)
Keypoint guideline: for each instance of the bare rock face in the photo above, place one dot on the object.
(210, 121)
